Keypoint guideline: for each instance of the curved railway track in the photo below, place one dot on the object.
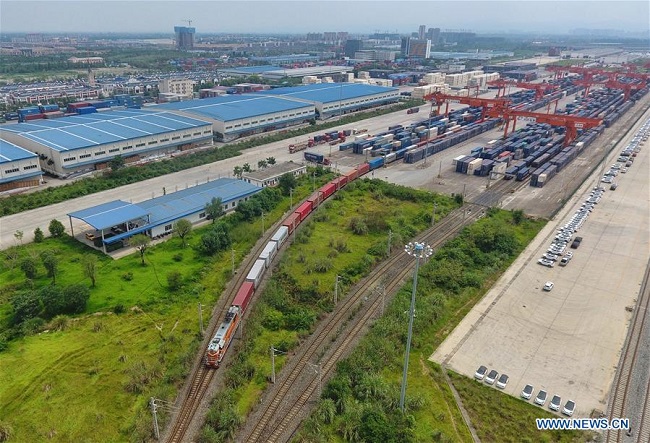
(274, 421)
(617, 407)
(192, 396)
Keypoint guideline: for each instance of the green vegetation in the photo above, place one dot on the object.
(366, 385)
(300, 289)
(135, 338)
(127, 175)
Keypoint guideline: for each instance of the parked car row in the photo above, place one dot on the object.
(626, 158)
(491, 377)
(554, 404)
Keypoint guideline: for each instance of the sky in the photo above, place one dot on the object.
(286, 17)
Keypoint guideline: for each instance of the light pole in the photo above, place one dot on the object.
(291, 198)
(336, 289)
(417, 250)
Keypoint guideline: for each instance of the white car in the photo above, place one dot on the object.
(480, 373)
(491, 377)
(502, 381)
(568, 408)
(541, 398)
(548, 286)
(527, 392)
(544, 262)
(555, 403)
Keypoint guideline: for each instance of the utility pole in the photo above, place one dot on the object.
(390, 238)
(316, 368)
(313, 181)
(291, 198)
(232, 259)
(440, 170)
(262, 222)
(154, 411)
(433, 217)
(464, 185)
(201, 318)
(272, 364)
(336, 289)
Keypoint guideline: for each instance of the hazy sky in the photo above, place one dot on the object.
(268, 16)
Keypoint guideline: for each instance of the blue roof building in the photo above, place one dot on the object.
(82, 142)
(235, 115)
(18, 167)
(116, 221)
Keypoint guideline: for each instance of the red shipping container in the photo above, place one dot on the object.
(292, 222)
(303, 210)
(34, 116)
(244, 295)
(363, 168)
(328, 190)
(315, 199)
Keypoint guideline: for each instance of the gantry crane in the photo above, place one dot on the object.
(570, 122)
(491, 107)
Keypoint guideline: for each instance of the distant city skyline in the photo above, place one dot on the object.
(288, 17)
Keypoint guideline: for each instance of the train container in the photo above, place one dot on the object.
(363, 169)
(280, 235)
(29, 117)
(53, 114)
(11, 116)
(29, 110)
(268, 253)
(72, 107)
(345, 146)
(376, 163)
(222, 338)
(291, 222)
(523, 173)
(257, 271)
(315, 199)
(351, 175)
(303, 210)
(244, 295)
(316, 158)
(390, 158)
(455, 161)
(413, 156)
(399, 154)
(86, 110)
(48, 108)
(541, 160)
(487, 165)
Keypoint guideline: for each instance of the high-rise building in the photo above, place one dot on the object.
(419, 48)
(421, 30)
(433, 34)
(352, 46)
(404, 48)
(184, 37)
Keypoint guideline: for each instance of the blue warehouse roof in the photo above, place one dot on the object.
(235, 107)
(328, 92)
(10, 152)
(109, 214)
(250, 70)
(90, 130)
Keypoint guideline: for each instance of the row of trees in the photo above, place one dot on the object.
(246, 167)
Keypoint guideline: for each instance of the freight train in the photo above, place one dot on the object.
(221, 340)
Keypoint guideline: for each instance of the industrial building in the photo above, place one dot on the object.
(115, 222)
(276, 72)
(271, 176)
(336, 98)
(19, 168)
(234, 116)
(89, 141)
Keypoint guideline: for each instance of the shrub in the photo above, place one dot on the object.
(56, 228)
(174, 280)
(119, 309)
(358, 226)
(38, 235)
(177, 257)
(127, 276)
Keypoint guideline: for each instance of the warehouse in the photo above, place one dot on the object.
(84, 142)
(18, 167)
(114, 222)
(277, 72)
(334, 98)
(234, 116)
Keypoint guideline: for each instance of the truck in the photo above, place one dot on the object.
(316, 158)
(301, 146)
(412, 110)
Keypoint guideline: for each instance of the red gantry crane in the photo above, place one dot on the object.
(491, 107)
(570, 122)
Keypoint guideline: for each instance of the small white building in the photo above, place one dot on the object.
(271, 176)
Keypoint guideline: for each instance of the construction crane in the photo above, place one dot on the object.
(189, 22)
(490, 107)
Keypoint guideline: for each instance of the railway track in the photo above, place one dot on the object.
(273, 421)
(618, 405)
(192, 396)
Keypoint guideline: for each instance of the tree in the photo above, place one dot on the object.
(51, 264)
(182, 229)
(89, 263)
(26, 305)
(286, 183)
(141, 243)
(56, 228)
(116, 163)
(28, 266)
(214, 209)
(262, 164)
(517, 216)
(217, 239)
(38, 235)
(246, 167)
(238, 171)
(18, 235)
(75, 299)
(271, 161)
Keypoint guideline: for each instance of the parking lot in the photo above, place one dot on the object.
(567, 340)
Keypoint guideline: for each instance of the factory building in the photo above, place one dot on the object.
(234, 116)
(271, 176)
(89, 141)
(113, 223)
(19, 168)
(276, 73)
(335, 98)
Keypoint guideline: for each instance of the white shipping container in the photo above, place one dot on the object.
(256, 273)
(268, 253)
(500, 167)
(457, 159)
(491, 142)
(280, 235)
